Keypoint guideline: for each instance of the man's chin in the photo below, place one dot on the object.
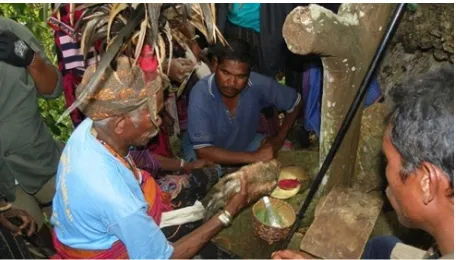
(230, 94)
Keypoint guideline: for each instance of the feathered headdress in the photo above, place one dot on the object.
(125, 28)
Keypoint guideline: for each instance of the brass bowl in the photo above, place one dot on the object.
(273, 234)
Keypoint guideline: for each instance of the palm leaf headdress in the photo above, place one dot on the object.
(124, 28)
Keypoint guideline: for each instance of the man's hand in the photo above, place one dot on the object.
(275, 141)
(198, 164)
(288, 254)
(15, 51)
(27, 221)
(180, 68)
(264, 153)
(239, 200)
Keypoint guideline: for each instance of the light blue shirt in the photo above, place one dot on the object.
(245, 15)
(98, 201)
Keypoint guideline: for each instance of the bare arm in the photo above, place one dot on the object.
(44, 75)
(190, 244)
(168, 164)
(289, 120)
(223, 156)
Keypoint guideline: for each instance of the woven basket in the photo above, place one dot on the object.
(268, 233)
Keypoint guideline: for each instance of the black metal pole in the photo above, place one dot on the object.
(400, 8)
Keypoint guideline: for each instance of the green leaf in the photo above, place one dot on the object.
(20, 8)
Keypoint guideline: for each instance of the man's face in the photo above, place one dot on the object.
(231, 77)
(404, 195)
(141, 129)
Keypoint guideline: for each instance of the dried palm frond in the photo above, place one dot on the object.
(124, 28)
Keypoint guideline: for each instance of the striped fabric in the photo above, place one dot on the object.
(12, 247)
(72, 57)
(70, 60)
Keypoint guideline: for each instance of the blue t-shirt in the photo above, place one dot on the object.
(245, 15)
(210, 123)
(98, 201)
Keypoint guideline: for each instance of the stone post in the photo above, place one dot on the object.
(346, 42)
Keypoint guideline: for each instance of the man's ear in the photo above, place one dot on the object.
(119, 126)
(430, 177)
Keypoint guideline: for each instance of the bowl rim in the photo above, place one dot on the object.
(280, 201)
(292, 192)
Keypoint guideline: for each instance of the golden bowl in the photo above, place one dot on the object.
(291, 172)
(269, 233)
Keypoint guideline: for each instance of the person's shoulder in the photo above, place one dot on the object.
(7, 23)
(80, 133)
(19, 29)
(404, 251)
(85, 154)
(258, 80)
(201, 90)
(85, 166)
(203, 84)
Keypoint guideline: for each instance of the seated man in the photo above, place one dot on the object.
(104, 206)
(224, 111)
(419, 147)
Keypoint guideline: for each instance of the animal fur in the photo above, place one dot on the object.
(261, 180)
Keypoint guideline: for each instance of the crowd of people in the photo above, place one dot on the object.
(107, 190)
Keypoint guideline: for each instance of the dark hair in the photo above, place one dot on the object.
(236, 50)
(422, 121)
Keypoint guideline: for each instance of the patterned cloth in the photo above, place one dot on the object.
(121, 91)
(184, 189)
(197, 185)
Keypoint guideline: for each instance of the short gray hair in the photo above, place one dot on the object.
(422, 121)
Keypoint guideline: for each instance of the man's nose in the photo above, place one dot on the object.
(230, 81)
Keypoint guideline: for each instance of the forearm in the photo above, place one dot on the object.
(168, 164)
(288, 121)
(44, 75)
(222, 156)
(189, 245)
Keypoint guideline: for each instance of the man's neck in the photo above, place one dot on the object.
(443, 233)
(119, 147)
(231, 103)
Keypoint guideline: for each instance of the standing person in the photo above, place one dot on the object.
(28, 153)
(419, 147)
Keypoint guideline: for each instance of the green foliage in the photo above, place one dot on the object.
(34, 16)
